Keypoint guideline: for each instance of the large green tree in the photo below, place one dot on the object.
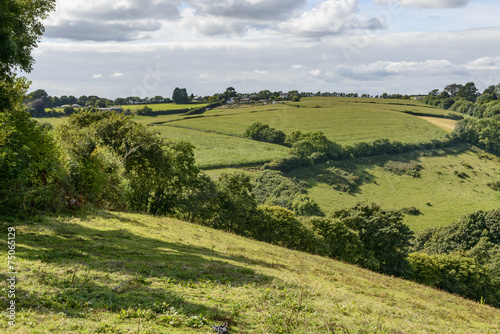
(29, 161)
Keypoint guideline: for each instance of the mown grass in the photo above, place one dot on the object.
(130, 273)
(216, 150)
(441, 192)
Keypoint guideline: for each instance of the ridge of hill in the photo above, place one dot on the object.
(112, 272)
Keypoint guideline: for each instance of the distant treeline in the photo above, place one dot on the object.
(467, 100)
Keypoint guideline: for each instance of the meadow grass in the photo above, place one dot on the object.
(110, 272)
(216, 150)
(452, 183)
(345, 121)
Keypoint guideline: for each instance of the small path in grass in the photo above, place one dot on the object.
(446, 124)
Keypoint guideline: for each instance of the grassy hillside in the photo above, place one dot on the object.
(345, 121)
(127, 273)
(216, 150)
(452, 182)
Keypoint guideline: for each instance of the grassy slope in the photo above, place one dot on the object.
(448, 195)
(342, 120)
(215, 150)
(77, 275)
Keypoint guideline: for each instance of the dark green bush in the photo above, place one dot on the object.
(262, 132)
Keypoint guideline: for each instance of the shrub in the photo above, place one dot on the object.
(385, 239)
(262, 132)
(279, 226)
(455, 274)
(157, 171)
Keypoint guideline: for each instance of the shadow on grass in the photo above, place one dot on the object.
(349, 176)
(112, 270)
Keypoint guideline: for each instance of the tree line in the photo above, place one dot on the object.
(466, 99)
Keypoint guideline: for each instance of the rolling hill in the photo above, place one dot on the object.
(113, 272)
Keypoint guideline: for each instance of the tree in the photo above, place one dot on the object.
(453, 89)
(20, 30)
(468, 92)
(29, 157)
(180, 96)
(385, 239)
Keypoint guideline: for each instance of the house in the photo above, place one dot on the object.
(117, 109)
(284, 95)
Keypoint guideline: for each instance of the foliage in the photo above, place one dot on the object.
(279, 226)
(157, 171)
(484, 133)
(339, 241)
(455, 274)
(385, 239)
(30, 171)
(236, 205)
(467, 260)
(180, 96)
(463, 235)
(263, 132)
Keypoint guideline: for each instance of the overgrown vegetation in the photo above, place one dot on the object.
(462, 258)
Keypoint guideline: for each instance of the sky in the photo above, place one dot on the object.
(120, 48)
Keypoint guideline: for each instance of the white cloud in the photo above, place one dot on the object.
(428, 3)
(260, 72)
(484, 64)
(97, 76)
(117, 75)
(386, 68)
(328, 18)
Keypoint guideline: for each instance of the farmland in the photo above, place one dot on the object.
(439, 195)
(345, 121)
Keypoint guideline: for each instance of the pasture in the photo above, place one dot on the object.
(110, 272)
(218, 150)
(343, 120)
(452, 182)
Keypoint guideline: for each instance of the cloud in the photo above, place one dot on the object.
(117, 75)
(484, 64)
(97, 76)
(96, 31)
(379, 69)
(255, 10)
(428, 3)
(106, 20)
(331, 17)
(260, 72)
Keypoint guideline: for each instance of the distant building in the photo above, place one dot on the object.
(117, 109)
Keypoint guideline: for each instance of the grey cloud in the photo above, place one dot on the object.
(100, 31)
(109, 20)
(262, 10)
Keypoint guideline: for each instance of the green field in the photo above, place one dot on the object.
(216, 150)
(345, 120)
(441, 193)
(130, 273)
